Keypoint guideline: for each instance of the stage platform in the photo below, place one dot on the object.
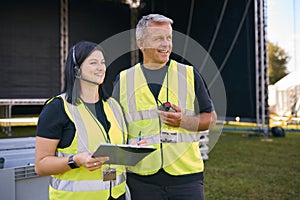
(7, 120)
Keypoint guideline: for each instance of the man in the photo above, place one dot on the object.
(167, 104)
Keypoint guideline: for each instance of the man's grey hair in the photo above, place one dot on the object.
(144, 22)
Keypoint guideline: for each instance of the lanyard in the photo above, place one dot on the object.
(104, 133)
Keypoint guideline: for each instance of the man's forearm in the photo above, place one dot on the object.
(201, 122)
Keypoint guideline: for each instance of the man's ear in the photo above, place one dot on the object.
(139, 44)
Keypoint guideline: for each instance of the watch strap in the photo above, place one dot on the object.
(72, 163)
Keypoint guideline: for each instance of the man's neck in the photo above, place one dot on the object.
(154, 66)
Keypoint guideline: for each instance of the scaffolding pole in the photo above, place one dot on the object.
(261, 68)
(64, 40)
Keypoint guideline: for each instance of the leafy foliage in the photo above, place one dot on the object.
(278, 59)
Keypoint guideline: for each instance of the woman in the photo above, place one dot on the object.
(71, 127)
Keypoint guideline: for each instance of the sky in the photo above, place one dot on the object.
(283, 28)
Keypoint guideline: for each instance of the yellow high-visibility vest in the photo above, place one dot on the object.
(81, 183)
(140, 110)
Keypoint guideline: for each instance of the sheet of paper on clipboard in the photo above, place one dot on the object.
(123, 154)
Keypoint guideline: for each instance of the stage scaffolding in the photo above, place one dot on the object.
(261, 62)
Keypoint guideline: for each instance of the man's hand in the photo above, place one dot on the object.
(200, 122)
(171, 118)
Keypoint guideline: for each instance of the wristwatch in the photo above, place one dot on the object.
(72, 163)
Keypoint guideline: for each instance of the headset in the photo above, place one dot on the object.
(77, 68)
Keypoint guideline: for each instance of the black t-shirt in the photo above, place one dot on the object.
(54, 122)
(155, 78)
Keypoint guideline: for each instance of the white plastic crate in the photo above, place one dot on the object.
(204, 149)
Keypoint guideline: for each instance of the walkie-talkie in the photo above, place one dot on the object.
(166, 106)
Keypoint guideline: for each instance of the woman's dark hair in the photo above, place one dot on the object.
(81, 51)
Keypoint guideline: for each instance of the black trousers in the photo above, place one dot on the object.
(144, 191)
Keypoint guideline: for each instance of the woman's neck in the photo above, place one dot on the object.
(90, 95)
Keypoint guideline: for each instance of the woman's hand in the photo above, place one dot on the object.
(142, 142)
(86, 160)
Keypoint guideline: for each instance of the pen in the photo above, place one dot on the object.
(139, 137)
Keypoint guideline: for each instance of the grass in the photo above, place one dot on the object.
(241, 167)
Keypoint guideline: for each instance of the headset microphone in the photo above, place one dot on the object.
(77, 69)
(93, 82)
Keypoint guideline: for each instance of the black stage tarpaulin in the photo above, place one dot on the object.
(30, 38)
(29, 49)
(226, 30)
(98, 21)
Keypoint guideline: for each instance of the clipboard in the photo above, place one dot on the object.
(122, 154)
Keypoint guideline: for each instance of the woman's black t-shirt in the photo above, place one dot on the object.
(54, 122)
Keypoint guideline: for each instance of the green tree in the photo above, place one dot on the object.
(278, 59)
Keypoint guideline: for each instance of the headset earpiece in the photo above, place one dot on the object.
(77, 70)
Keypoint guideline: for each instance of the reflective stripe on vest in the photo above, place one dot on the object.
(85, 185)
(79, 125)
(146, 114)
(181, 137)
(118, 113)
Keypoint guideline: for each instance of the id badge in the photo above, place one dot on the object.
(109, 174)
(168, 137)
